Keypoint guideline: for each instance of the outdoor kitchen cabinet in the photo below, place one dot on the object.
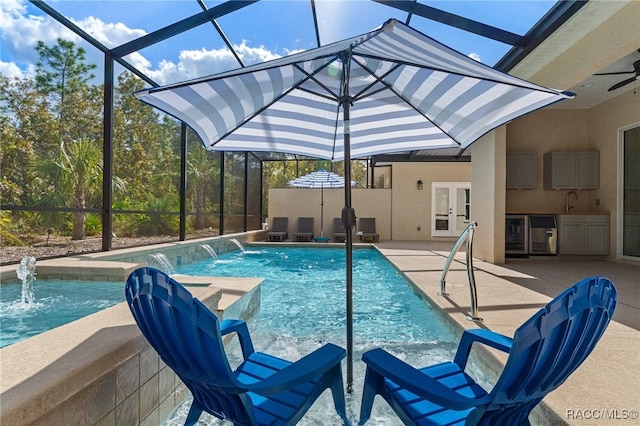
(572, 170)
(522, 170)
(584, 234)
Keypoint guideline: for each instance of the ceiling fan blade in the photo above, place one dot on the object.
(622, 83)
(615, 73)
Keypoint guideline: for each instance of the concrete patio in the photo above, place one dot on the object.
(605, 390)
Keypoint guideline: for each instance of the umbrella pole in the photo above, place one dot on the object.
(321, 211)
(348, 217)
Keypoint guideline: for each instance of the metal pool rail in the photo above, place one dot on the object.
(467, 235)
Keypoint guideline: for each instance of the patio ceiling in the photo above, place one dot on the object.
(563, 45)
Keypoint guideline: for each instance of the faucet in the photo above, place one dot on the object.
(568, 206)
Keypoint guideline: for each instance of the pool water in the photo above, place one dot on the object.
(56, 303)
(303, 306)
(303, 295)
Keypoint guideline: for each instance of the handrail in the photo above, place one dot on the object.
(467, 235)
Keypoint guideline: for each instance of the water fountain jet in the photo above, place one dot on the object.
(240, 246)
(164, 263)
(210, 250)
(26, 273)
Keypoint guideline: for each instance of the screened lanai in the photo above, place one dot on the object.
(89, 162)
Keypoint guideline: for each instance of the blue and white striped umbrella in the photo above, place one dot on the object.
(405, 92)
(391, 90)
(319, 179)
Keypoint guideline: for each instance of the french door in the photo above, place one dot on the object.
(631, 193)
(449, 208)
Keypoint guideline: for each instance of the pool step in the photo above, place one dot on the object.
(233, 288)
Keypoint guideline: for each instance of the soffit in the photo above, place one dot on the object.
(602, 36)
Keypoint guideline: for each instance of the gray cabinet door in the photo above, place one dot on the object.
(522, 170)
(559, 170)
(572, 170)
(563, 170)
(571, 238)
(587, 170)
(596, 238)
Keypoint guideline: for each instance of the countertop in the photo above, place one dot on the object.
(570, 213)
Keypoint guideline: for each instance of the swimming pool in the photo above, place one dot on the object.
(303, 306)
(56, 303)
(310, 284)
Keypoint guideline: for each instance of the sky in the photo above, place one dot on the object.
(261, 31)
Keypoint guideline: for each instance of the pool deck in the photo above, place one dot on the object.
(605, 390)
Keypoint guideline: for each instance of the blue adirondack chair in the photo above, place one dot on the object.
(544, 351)
(263, 390)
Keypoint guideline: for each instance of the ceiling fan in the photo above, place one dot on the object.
(636, 72)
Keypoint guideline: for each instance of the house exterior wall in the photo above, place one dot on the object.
(399, 210)
(575, 130)
(605, 122)
(411, 207)
(488, 182)
(545, 131)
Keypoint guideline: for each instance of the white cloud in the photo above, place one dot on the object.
(253, 55)
(475, 56)
(21, 32)
(199, 63)
(11, 70)
(109, 34)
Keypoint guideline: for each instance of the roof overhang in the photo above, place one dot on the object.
(599, 34)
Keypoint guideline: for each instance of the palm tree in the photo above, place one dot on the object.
(74, 173)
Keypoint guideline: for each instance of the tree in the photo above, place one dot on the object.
(76, 174)
(60, 74)
(135, 126)
(68, 166)
(202, 171)
(25, 125)
(146, 146)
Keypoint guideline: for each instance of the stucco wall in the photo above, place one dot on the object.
(299, 202)
(604, 123)
(545, 131)
(411, 207)
(488, 195)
